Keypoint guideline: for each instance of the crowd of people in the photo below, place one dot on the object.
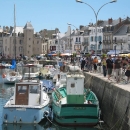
(110, 65)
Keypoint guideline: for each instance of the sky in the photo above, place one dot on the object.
(51, 14)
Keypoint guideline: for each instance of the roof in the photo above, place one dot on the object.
(28, 26)
(122, 30)
(105, 22)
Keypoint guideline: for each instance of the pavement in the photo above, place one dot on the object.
(122, 83)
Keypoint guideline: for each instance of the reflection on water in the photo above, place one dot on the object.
(6, 91)
(40, 127)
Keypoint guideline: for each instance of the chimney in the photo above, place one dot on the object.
(110, 21)
(81, 26)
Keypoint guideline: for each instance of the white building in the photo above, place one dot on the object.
(122, 39)
(93, 44)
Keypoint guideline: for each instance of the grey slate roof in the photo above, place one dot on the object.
(28, 26)
(122, 30)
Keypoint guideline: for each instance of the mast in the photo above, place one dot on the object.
(14, 34)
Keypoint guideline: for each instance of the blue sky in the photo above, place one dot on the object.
(51, 14)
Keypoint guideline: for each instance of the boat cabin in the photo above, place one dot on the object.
(28, 93)
(62, 77)
(75, 87)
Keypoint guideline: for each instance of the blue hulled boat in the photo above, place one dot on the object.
(29, 104)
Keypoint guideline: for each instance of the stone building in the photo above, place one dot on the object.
(25, 41)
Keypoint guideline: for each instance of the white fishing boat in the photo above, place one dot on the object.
(29, 104)
(51, 71)
(60, 79)
(11, 76)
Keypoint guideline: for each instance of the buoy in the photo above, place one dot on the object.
(3, 75)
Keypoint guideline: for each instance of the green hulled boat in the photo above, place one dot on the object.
(74, 105)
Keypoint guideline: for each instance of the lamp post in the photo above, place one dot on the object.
(115, 44)
(96, 16)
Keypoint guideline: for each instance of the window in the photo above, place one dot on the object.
(20, 41)
(79, 39)
(28, 52)
(115, 39)
(29, 38)
(76, 39)
(92, 39)
(129, 46)
(33, 89)
(128, 37)
(22, 89)
(37, 42)
(72, 85)
(99, 38)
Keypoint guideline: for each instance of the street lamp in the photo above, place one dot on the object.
(96, 15)
(115, 44)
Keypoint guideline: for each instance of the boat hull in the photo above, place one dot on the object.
(11, 79)
(23, 115)
(76, 114)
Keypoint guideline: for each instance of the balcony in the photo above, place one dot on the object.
(120, 41)
(77, 42)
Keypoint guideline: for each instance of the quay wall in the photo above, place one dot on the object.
(114, 101)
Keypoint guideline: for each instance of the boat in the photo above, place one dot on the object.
(47, 72)
(60, 79)
(51, 71)
(11, 76)
(4, 65)
(28, 105)
(72, 104)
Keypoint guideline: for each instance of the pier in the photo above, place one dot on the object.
(114, 100)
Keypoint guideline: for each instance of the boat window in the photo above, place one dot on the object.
(72, 85)
(22, 89)
(63, 76)
(33, 89)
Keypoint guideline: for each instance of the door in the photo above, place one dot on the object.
(22, 94)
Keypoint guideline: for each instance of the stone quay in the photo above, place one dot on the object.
(114, 100)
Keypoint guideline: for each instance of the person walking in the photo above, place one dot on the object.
(109, 66)
(117, 68)
(90, 63)
(127, 73)
(95, 62)
(104, 66)
(82, 64)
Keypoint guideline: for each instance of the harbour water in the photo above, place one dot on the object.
(6, 91)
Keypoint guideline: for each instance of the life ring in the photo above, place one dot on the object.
(3, 75)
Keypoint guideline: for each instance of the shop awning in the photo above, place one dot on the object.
(113, 52)
(65, 54)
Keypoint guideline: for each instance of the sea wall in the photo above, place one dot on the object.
(114, 101)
